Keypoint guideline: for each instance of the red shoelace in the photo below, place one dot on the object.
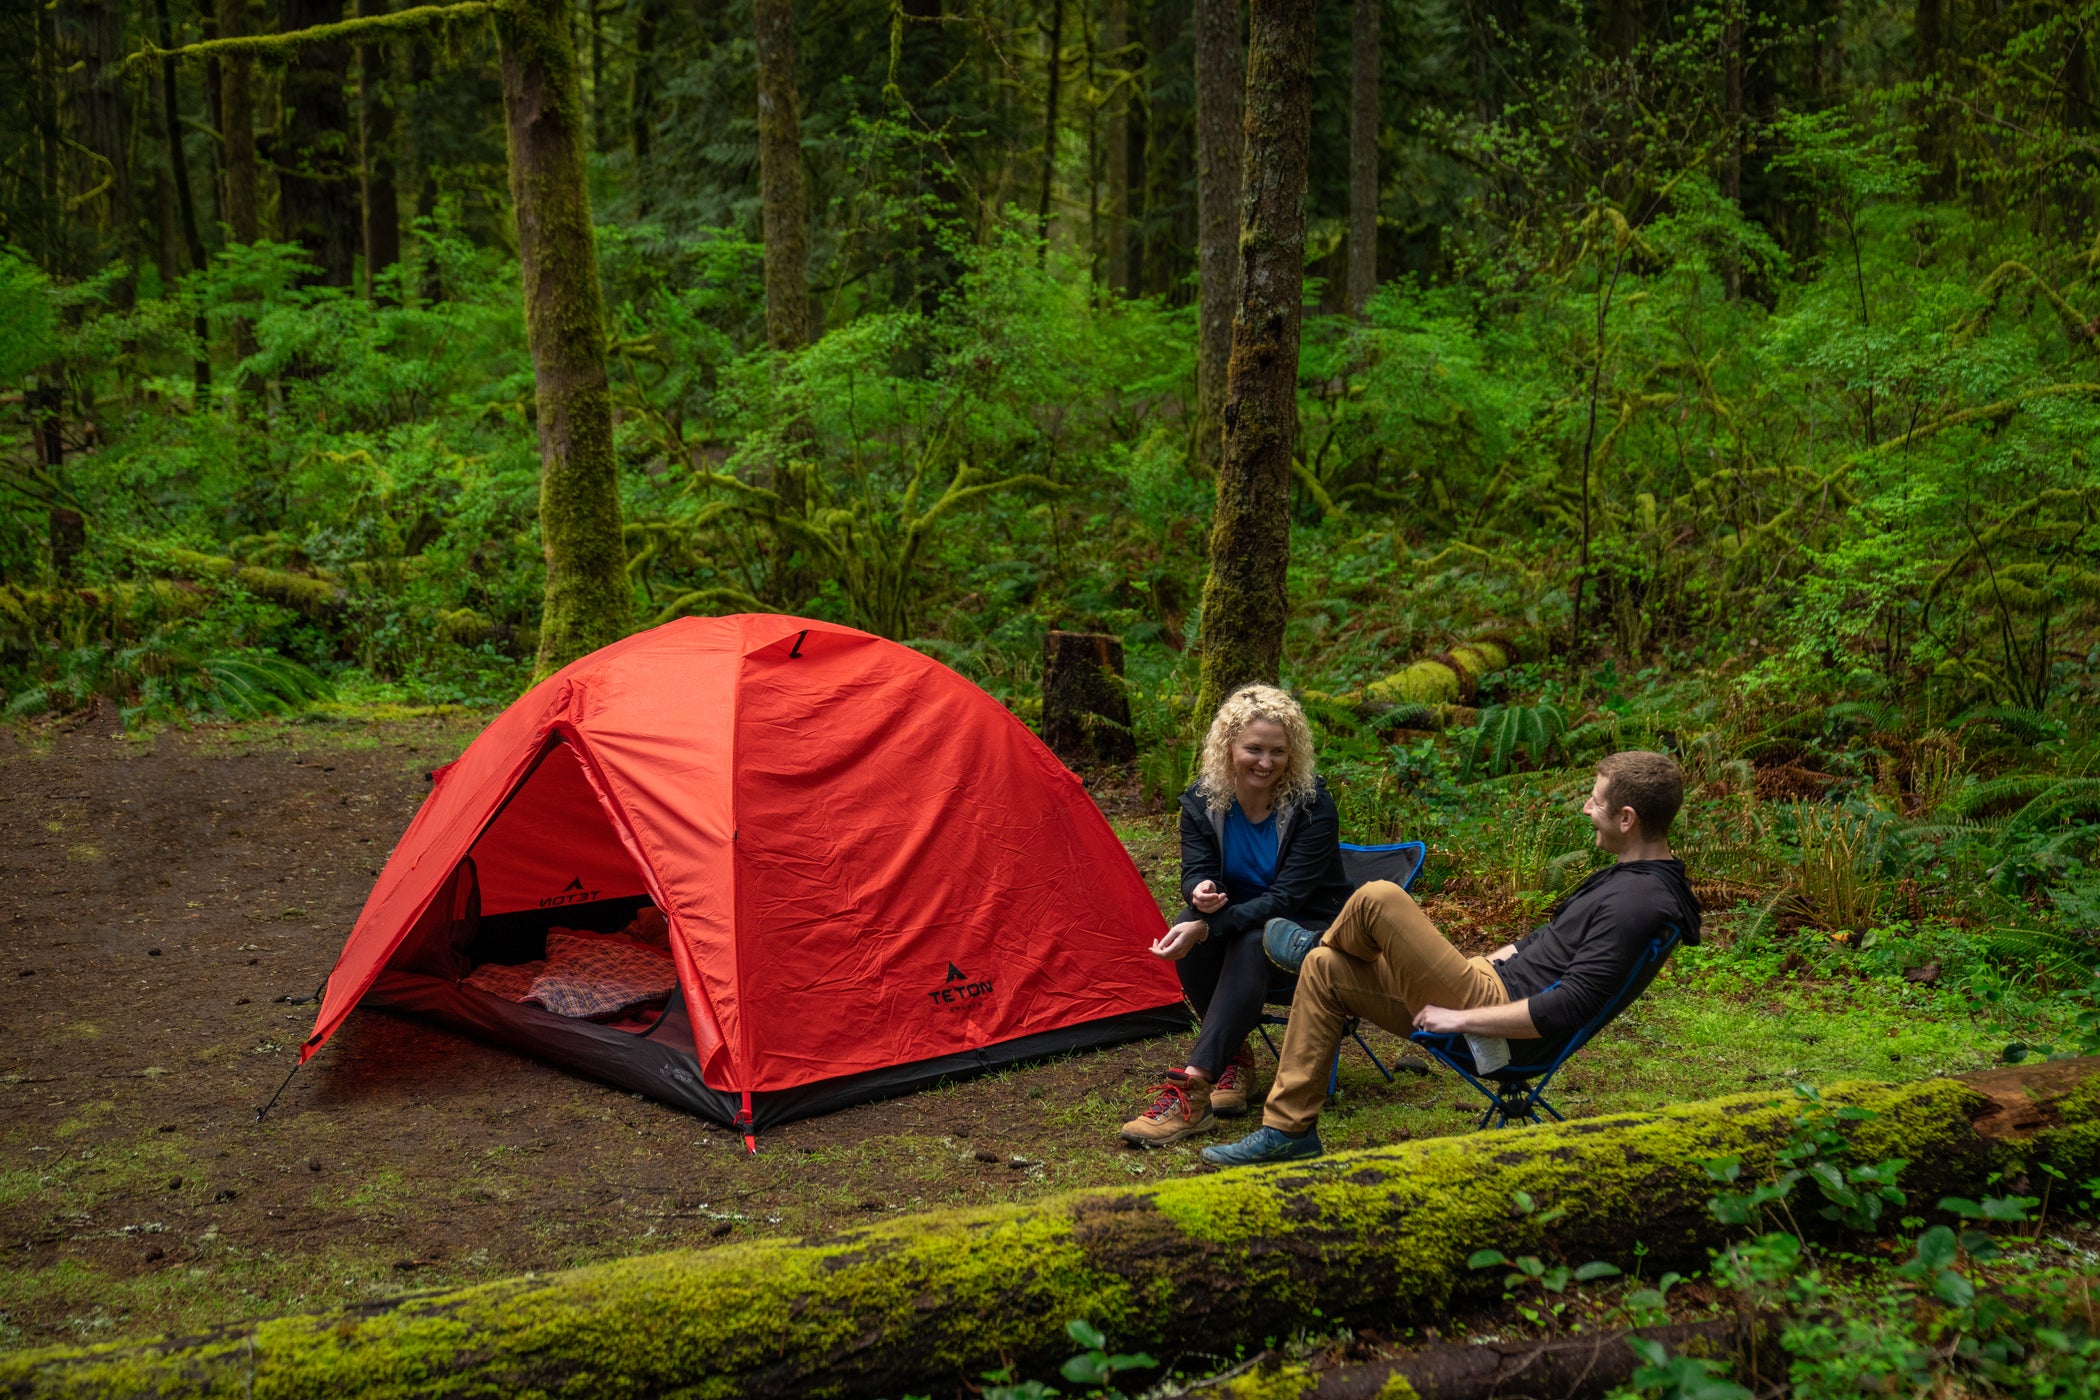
(1168, 1097)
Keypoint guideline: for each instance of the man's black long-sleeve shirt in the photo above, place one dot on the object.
(1596, 937)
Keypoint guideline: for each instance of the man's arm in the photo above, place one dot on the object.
(1510, 1021)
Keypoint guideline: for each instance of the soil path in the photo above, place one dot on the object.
(161, 901)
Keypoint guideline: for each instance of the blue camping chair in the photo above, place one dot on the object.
(1402, 864)
(1517, 1091)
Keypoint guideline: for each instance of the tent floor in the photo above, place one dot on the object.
(661, 1065)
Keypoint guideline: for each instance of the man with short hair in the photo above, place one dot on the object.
(1383, 961)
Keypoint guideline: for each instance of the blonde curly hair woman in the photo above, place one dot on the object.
(1260, 840)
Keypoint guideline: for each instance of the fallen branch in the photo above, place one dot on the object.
(1373, 1238)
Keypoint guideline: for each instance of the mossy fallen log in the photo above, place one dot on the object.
(1449, 678)
(922, 1305)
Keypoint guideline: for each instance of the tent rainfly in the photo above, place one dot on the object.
(874, 876)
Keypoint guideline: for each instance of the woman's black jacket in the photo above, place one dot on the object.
(1309, 887)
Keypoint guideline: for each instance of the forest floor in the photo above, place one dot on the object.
(164, 895)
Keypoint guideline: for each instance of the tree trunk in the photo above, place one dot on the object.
(783, 212)
(1376, 1238)
(48, 140)
(1364, 126)
(587, 601)
(46, 402)
(1055, 64)
(316, 184)
(1115, 42)
(91, 33)
(1935, 151)
(418, 161)
(1137, 145)
(1245, 599)
(1732, 135)
(641, 100)
(375, 136)
(1219, 141)
(1086, 712)
(185, 199)
(237, 127)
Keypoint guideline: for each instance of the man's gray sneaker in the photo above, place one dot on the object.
(1264, 1144)
(1287, 943)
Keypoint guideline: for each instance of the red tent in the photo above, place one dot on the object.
(874, 875)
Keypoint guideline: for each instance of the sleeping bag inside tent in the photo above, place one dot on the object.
(871, 877)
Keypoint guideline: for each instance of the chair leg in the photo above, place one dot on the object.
(1358, 1037)
(1263, 1032)
(1334, 1077)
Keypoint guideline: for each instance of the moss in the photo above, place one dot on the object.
(419, 21)
(1398, 1387)
(1378, 1236)
(588, 601)
(1288, 1381)
(1423, 683)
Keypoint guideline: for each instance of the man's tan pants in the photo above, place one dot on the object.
(1383, 961)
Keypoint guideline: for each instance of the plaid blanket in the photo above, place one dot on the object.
(590, 979)
(595, 979)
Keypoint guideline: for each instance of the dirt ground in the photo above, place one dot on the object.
(164, 898)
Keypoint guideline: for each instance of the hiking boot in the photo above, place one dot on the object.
(1228, 1097)
(1264, 1144)
(1287, 943)
(1180, 1108)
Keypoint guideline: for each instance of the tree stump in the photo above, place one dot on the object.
(1086, 715)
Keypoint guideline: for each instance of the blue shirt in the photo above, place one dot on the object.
(1250, 854)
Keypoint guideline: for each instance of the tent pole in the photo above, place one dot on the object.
(280, 1090)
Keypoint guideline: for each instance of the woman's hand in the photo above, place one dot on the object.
(1207, 897)
(1179, 939)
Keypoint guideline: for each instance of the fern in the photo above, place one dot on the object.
(1492, 747)
(2058, 952)
(2028, 726)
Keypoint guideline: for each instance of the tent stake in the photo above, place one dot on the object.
(743, 1119)
(280, 1090)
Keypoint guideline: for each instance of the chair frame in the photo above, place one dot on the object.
(1515, 1093)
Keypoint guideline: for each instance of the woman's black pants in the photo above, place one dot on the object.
(1227, 980)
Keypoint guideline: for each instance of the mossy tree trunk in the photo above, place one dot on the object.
(1219, 137)
(375, 137)
(185, 197)
(1363, 153)
(783, 211)
(316, 183)
(1245, 598)
(1375, 1238)
(587, 602)
(236, 118)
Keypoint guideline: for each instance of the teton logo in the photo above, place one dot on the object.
(571, 893)
(948, 994)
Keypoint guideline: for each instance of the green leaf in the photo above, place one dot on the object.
(1087, 1368)
(1961, 1206)
(1953, 1290)
(1086, 1334)
(2008, 1207)
(1596, 1268)
(1936, 1248)
(1724, 1168)
(1485, 1259)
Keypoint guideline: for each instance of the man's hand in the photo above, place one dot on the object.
(1179, 939)
(1441, 1020)
(1511, 1021)
(1208, 898)
(1504, 953)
